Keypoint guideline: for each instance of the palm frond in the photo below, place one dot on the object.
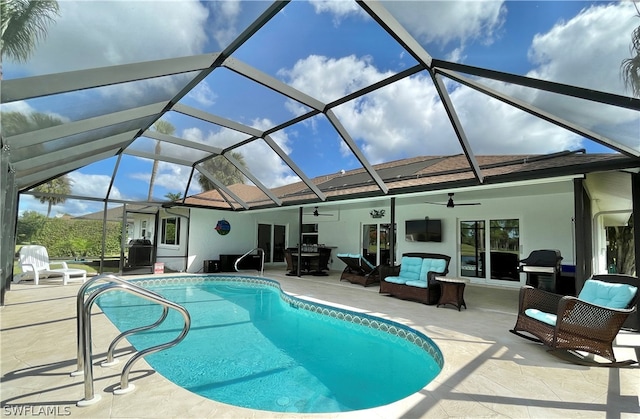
(24, 23)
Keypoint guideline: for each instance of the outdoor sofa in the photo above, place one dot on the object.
(414, 279)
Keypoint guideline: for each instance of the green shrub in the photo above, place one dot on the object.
(69, 238)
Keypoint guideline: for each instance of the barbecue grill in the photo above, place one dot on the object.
(542, 268)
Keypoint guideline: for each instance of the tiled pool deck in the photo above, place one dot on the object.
(488, 372)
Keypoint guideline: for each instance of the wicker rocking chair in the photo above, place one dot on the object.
(588, 323)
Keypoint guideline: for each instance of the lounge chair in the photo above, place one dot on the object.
(34, 262)
(358, 270)
(587, 323)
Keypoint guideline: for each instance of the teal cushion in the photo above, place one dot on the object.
(420, 283)
(365, 262)
(431, 265)
(547, 318)
(608, 295)
(396, 279)
(410, 268)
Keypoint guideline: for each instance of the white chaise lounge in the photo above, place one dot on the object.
(34, 262)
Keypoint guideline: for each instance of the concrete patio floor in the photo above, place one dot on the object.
(488, 371)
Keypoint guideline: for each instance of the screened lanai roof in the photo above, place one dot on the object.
(289, 91)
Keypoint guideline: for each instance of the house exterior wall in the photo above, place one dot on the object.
(545, 223)
(206, 244)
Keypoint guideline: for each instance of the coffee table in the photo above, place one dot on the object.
(452, 291)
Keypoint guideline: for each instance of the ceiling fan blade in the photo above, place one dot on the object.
(450, 203)
(315, 213)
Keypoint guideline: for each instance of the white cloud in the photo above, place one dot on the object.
(203, 94)
(587, 50)
(91, 34)
(172, 177)
(225, 15)
(328, 79)
(339, 8)
(407, 119)
(92, 185)
(440, 21)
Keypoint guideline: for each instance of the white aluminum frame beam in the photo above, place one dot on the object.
(27, 182)
(457, 126)
(70, 81)
(159, 157)
(44, 161)
(356, 151)
(272, 83)
(280, 152)
(155, 135)
(65, 130)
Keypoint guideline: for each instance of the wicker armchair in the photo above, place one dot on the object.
(566, 324)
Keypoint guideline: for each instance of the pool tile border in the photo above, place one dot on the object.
(387, 326)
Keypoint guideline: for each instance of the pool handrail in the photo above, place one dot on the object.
(110, 352)
(260, 250)
(90, 396)
(80, 298)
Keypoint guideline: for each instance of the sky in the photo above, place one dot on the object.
(327, 49)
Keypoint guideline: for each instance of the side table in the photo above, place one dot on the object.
(452, 291)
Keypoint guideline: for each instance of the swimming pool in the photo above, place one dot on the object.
(252, 345)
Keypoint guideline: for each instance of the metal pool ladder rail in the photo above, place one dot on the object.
(85, 366)
(259, 250)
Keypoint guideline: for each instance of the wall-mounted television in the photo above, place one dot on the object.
(426, 230)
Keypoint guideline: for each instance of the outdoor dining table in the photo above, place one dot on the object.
(306, 263)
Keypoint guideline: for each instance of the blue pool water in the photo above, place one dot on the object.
(254, 346)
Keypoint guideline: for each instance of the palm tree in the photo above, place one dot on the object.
(14, 123)
(24, 23)
(223, 170)
(630, 67)
(55, 191)
(173, 196)
(163, 127)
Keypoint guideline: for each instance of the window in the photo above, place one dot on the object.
(170, 231)
(309, 233)
(143, 230)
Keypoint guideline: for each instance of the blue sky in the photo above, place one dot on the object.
(327, 49)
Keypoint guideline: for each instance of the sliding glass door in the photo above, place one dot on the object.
(376, 240)
(472, 238)
(272, 239)
(503, 241)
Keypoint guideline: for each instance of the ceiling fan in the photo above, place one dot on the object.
(315, 213)
(451, 204)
